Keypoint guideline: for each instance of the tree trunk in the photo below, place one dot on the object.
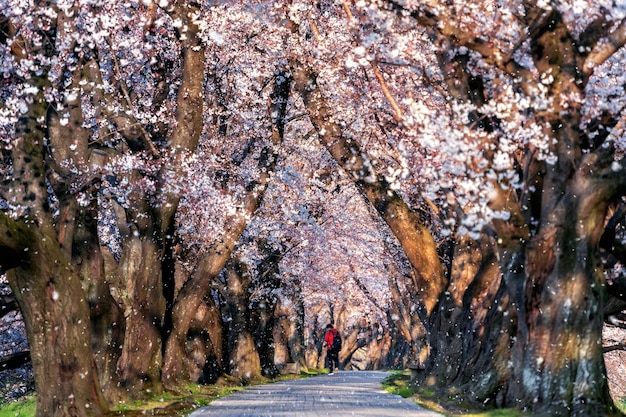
(138, 289)
(474, 326)
(263, 325)
(186, 304)
(244, 362)
(47, 288)
(558, 349)
(107, 321)
(204, 348)
(56, 316)
(263, 307)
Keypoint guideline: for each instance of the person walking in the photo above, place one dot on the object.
(332, 340)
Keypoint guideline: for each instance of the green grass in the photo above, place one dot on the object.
(189, 398)
(398, 384)
(23, 408)
(194, 396)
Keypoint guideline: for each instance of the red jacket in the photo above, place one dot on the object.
(329, 337)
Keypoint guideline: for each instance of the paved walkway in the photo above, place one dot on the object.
(348, 393)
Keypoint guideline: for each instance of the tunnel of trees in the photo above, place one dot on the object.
(192, 189)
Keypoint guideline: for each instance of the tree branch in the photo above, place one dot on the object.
(604, 50)
(14, 361)
(8, 303)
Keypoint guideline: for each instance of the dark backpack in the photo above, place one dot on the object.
(336, 345)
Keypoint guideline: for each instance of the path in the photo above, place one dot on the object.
(348, 393)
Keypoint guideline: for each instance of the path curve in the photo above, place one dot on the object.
(348, 393)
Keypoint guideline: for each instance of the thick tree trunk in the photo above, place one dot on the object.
(264, 306)
(289, 332)
(48, 289)
(263, 325)
(56, 316)
(558, 350)
(474, 327)
(205, 342)
(244, 362)
(186, 304)
(107, 321)
(137, 288)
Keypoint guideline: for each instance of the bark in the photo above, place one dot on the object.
(289, 332)
(107, 322)
(244, 362)
(559, 342)
(447, 338)
(204, 351)
(263, 319)
(57, 322)
(264, 306)
(138, 291)
(314, 335)
(188, 300)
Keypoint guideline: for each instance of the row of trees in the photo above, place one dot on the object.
(143, 143)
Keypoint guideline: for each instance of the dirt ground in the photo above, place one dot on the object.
(615, 360)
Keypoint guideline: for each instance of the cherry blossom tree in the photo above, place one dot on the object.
(84, 155)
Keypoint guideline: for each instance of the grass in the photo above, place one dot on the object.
(448, 405)
(22, 408)
(188, 399)
(196, 396)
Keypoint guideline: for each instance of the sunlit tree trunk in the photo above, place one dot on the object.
(289, 330)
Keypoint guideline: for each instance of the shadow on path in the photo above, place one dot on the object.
(348, 393)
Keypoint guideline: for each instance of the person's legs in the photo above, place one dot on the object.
(327, 361)
(333, 361)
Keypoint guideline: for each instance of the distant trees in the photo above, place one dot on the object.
(173, 189)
